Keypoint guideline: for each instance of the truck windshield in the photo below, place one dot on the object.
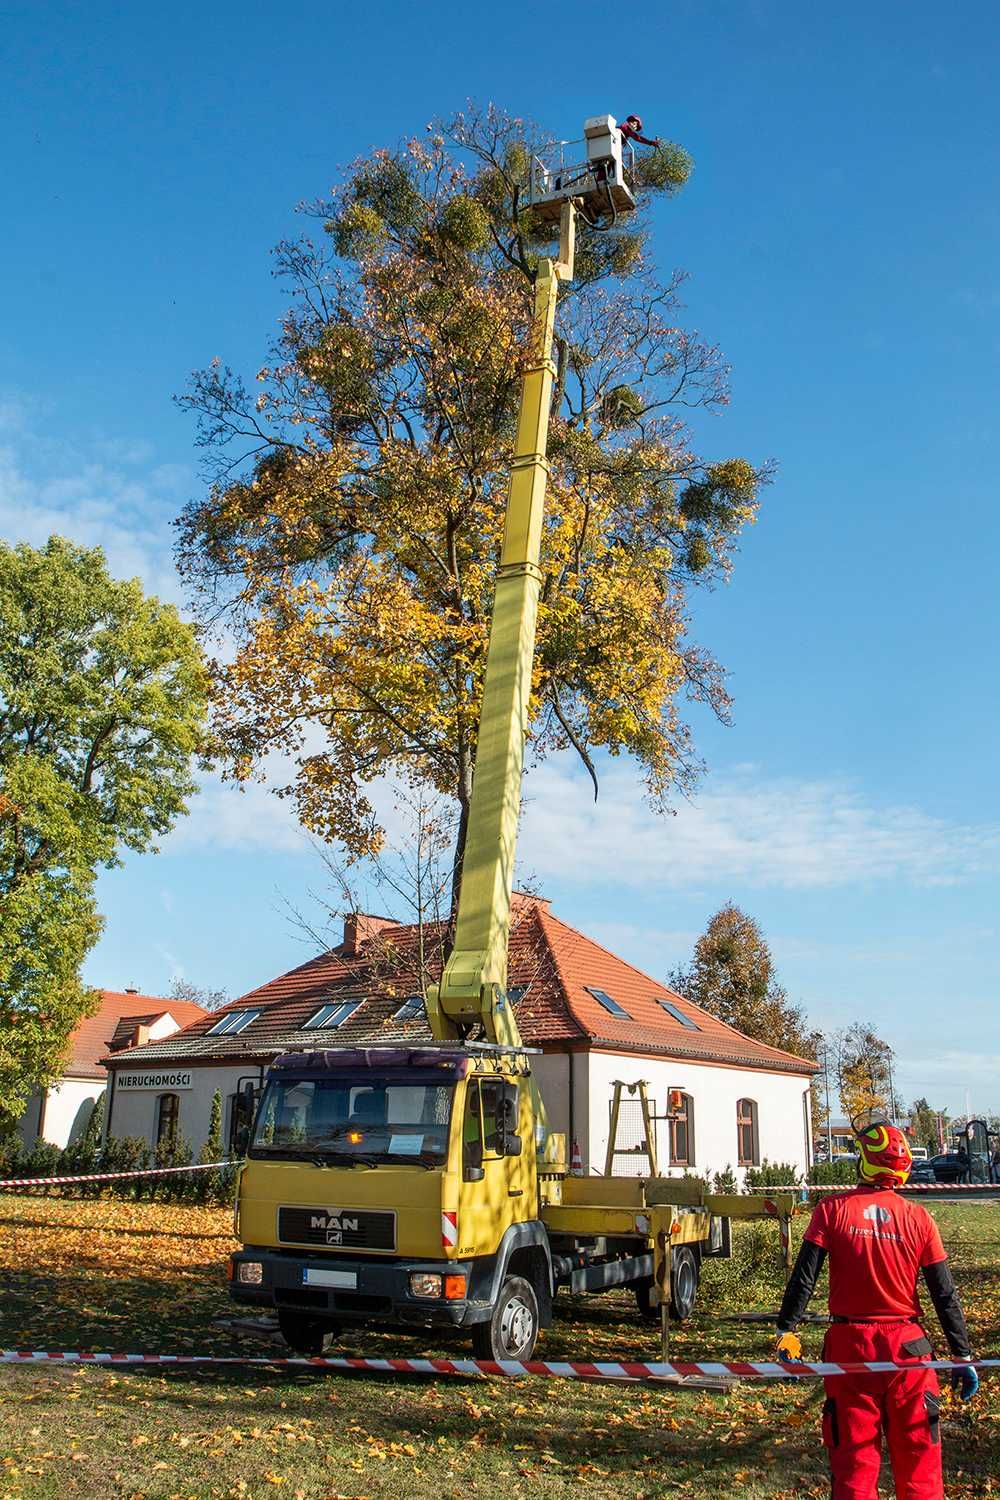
(340, 1119)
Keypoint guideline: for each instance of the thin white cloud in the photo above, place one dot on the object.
(103, 493)
(742, 829)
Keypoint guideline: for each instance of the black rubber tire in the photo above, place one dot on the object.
(683, 1283)
(305, 1335)
(512, 1331)
(649, 1312)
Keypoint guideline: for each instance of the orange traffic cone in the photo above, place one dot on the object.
(576, 1161)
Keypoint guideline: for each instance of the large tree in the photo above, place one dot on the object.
(102, 705)
(731, 975)
(351, 531)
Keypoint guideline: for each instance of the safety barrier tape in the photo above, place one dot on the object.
(590, 1370)
(208, 1166)
(847, 1187)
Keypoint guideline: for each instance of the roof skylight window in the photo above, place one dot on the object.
(611, 1006)
(232, 1022)
(678, 1015)
(411, 1008)
(329, 1016)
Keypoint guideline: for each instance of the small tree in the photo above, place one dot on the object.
(864, 1064)
(732, 976)
(183, 989)
(102, 705)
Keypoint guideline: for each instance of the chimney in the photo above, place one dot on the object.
(131, 989)
(359, 927)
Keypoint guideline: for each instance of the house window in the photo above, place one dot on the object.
(678, 1015)
(411, 1008)
(747, 1138)
(611, 1006)
(682, 1133)
(166, 1118)
(232, 1022)
(329, 1016)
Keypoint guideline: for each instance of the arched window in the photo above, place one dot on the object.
(166, 1117)
(747, 1137)
(681, 1129)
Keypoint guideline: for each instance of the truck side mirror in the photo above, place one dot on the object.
(508, 1123)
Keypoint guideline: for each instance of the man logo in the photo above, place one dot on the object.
(877, 1214)
(334, 1225)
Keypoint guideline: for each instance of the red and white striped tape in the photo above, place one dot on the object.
(13, 1182)
(830, 1188)
(574, 1370)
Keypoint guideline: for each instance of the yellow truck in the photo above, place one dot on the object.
(422, 1186)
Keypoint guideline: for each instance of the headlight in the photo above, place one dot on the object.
(250, 1272)
(424, 1284)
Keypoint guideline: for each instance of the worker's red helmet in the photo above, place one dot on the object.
(884, 1155)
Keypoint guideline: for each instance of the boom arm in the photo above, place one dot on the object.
(473, 985)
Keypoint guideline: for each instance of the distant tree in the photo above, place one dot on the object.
(924, 1121)
(102, 706)
(183, 989)
(864, 1070)
(353, 526)
(732, 976)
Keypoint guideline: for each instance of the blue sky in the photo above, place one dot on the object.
(841, 234)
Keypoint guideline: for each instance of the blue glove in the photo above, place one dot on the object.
(966, 1382)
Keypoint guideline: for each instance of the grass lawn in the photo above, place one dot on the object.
(104, 1275)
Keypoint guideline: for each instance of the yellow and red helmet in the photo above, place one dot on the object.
(884, 1155)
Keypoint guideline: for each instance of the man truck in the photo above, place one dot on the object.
(421, 1186)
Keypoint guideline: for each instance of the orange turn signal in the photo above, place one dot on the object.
(454, 1287)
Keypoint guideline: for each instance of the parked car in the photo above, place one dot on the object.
(919, 1153)
(922, 1172)
(950, 1166)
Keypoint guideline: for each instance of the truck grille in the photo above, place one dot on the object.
(337, 1228)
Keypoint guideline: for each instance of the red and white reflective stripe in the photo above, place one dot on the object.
(449, 1230)
(208, 1166)
(848, 1187)
(563, 1369)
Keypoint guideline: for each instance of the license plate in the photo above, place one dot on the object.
(344, 1279)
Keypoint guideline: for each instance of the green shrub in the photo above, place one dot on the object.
(771, 1174)
(826, 1173)
(725, 1181)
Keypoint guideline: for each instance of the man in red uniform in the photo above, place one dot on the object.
(878, 1243)
(631, 129)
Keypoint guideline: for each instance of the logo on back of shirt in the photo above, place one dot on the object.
(878, 1215)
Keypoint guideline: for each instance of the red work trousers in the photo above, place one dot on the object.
(859, 1408)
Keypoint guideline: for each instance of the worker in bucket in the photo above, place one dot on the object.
(631, 131)
(878, 1244)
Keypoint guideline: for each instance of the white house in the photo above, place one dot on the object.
(596, 1019)
(59, 1114)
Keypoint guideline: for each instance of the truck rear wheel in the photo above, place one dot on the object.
(512, 1331)
(305, 1335)
(683, 1283)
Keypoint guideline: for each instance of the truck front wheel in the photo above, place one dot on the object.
(512, 1331)
(304, 1334)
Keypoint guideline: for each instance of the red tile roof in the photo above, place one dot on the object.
(550, 961)
(91, 1039)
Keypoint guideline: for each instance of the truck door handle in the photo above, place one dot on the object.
(515, 1192)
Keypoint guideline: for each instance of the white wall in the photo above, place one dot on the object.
(68, 1107)
(135, 1112)
(781, 1111)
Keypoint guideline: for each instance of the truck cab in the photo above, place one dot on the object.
(396, 1185)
